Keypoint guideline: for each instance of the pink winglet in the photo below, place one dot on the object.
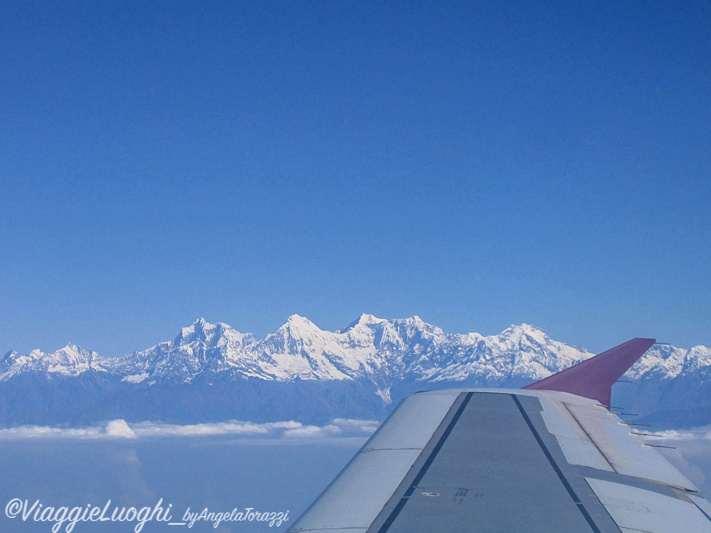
(594, 377)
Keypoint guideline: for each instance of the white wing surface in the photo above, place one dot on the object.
(505, 460)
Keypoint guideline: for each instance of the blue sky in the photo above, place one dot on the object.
(477, 164)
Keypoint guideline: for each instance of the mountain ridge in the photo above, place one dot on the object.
(301, 349)
(381, 359)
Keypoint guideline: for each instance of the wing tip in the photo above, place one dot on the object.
(594, 377)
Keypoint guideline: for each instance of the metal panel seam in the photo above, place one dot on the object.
(589, 437)
(555, 466)
(426, 465)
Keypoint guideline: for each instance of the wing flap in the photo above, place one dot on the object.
(626, 451)
(635, 509)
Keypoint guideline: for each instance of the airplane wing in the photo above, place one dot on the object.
(547, 458)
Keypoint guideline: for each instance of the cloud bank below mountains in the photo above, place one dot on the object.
(700, 433)
(691, 452)
(120, 429)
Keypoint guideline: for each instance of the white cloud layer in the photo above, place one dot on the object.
(690, 452)
(120, 429)
(687, 434)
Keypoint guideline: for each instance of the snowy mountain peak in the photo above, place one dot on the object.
(299, 326)
(12, 354)
(70, 360)
(70, 354)
(524, 333)
(71, 349)
(298, 319)
(415, 321)
(415, 326)
(200, 330)
(520, 328)
(364, 320)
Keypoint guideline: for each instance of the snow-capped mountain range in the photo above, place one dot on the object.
(382, 351)
(372, 356)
